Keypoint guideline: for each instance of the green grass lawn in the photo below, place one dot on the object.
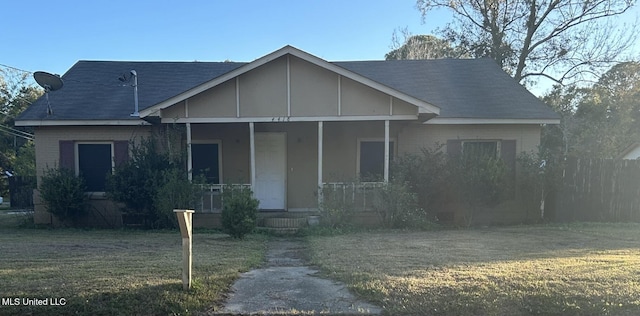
(577, 269)
(119, 272)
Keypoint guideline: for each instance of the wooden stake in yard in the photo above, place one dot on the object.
(185, 220)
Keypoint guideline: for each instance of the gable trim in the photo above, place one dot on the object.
(82, 123)
(423, 107)
(283, 119)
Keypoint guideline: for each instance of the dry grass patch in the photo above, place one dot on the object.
(585, 269)
(114, 272)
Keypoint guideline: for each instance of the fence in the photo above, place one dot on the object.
(600, 190)
(211, 196)
(21, 191)
(358, 195)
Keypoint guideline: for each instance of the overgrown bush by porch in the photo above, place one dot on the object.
(151, 184)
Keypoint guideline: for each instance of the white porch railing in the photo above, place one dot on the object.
(357, 195)
(211, 199)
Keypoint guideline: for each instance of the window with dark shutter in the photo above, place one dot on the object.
(94, 164)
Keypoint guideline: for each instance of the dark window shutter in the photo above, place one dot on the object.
(67, 155)
(120, 151)
(454, 148)
(508, 155)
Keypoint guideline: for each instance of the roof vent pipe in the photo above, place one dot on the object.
(135, 94)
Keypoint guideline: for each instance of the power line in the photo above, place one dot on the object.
(16, 132)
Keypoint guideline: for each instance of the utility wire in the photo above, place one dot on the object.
(15, 132)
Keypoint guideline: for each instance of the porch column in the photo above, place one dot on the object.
(386, 151)
(189, 162)
(320, 127)
(252, 149)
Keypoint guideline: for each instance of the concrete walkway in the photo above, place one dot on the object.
(286, 286)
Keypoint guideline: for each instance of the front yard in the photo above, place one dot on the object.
(118, 272)
(577, 269)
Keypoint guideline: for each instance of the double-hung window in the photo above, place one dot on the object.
(94, 162)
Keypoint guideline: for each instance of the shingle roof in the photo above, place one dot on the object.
(92, 90)
(462, 88)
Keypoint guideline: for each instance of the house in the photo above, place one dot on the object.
(631, 153)
(287, 123)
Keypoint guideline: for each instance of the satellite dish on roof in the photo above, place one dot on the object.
(49, 82)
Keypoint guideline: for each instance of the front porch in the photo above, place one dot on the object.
(358, 196)
(289, 166)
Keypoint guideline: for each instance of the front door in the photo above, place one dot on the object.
(271, 167)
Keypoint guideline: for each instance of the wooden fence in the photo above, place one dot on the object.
(600, 190)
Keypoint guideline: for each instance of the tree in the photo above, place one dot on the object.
(16, 94)
(601, 120)
(562, 40)
(422, 47)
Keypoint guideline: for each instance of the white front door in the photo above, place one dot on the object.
(271, 170)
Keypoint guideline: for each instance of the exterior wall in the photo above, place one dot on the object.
(175, 111)
(47, 140)
(48, 154)
(314, 90)
(235, 148)
(219, 101)
(358, 99)
(340, 151)
(263, 91)
(286, 84)
(416, 136)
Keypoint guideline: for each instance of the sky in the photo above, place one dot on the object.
(53, 35)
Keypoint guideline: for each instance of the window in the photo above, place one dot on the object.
(481, 149)
(95, 162)
(371, 159)
(205, 161)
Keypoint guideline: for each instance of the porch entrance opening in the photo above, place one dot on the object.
(271, 167)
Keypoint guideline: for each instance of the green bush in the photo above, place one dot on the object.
(239, 211)
(398, 206)
(426, 174)
(479, 182)
(136, 182)
(175, 192)
(63, 194)
(337, 207)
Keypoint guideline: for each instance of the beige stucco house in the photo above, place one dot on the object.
(286, 124)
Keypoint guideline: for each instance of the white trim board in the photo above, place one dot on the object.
(290, 119)
(82, 123)
(443, 120)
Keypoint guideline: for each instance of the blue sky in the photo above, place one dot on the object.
(52, 35)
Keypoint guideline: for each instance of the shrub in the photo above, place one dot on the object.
(175, 192)
(136, 182)
(63, 194)
(337, 207)
(398, 206)
(239, 211)
(479, 182)
(427, 175)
